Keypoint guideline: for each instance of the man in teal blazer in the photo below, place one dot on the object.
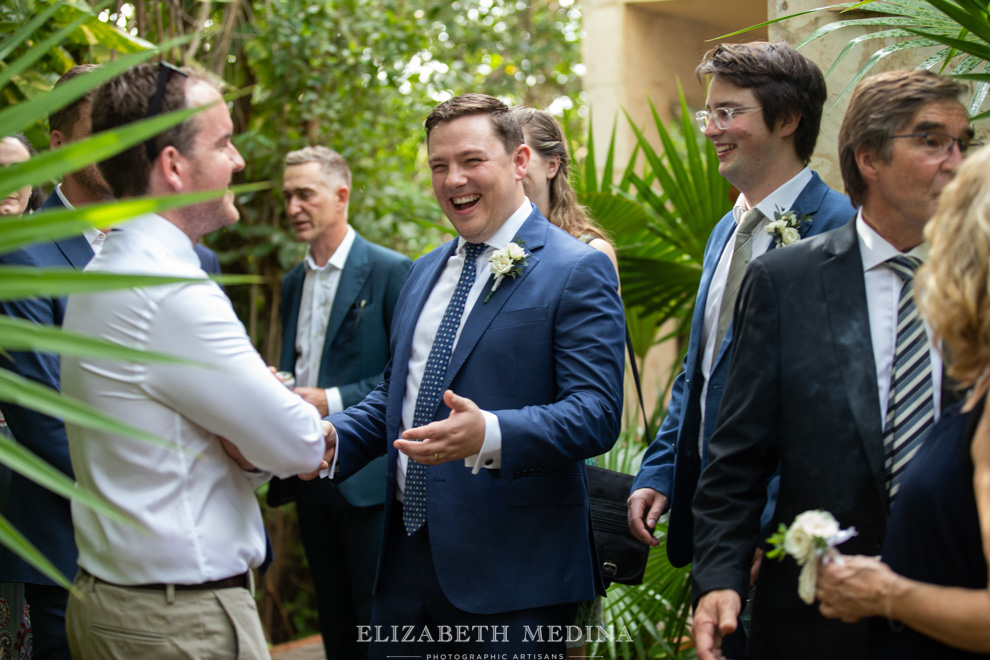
(336, 314)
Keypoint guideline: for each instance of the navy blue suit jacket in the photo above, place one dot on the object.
(671, 464)
(545, 355)
(42, 516)
(356, 348)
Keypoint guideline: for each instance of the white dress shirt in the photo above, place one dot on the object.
(780, 199)
(318, 293)
(197, 510)
(883, 294)
(490, 455)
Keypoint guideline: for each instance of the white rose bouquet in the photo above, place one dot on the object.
(509, 261)
(786, 226)
(812, 536)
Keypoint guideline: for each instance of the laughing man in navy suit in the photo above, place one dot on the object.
(487, 519)
(336, 314)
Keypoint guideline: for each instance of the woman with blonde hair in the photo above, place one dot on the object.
(929, 596)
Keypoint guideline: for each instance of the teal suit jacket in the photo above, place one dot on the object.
(356, 348)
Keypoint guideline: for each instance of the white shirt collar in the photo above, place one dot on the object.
(509, 229)
(875, 249)
(167, 237)
(339, 256)
(781, 199)
(61, 196)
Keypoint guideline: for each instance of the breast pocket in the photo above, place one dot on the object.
(520, 317)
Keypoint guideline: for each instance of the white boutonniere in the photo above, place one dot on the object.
(507, 262)
(812, 536)
(786, 227)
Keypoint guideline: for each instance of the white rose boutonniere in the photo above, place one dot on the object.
(812, 536)
(507, 262)
(786, 226)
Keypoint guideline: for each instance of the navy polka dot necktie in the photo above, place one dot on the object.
(430, 392)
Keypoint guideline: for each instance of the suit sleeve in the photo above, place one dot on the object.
(41, 434)
(353, 393)
(588, 354)
(657, 469)
(744, 449)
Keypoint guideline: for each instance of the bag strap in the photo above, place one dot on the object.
(639, 390)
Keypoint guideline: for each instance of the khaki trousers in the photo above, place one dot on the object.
(127, 623)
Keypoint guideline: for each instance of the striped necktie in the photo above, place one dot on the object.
(430, 388)
(910, 408)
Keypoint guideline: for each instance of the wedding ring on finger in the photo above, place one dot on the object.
(436, 457)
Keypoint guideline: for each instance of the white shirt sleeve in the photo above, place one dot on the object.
(237, 397)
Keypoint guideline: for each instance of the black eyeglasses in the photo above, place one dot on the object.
(940, 144)
(165, 71)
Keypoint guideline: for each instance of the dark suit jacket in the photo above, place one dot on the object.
(545, 355)
(356, 348)
(672, 464)
(42, 516)
(801, 393)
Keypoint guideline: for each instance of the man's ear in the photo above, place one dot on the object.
(343, 195)
(57, 139)
(520, 160)
(172, 168)
(867, 162)
(789, 123)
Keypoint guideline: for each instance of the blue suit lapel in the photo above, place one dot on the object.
(76, 250)
(404, 324)
(352, 278)
(533, 235)
(290, 317)
(721, 238)
(845, 300)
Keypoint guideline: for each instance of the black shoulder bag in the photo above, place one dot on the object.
(621, 556)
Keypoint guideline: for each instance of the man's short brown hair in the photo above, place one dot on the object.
(64, 120)
(782, 80)
(882, 105)
(125, 100)
(503, 122)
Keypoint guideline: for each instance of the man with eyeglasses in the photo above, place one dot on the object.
(763, 113)
(178, 583)
(834, 378)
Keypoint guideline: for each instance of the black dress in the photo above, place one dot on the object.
(934, 532)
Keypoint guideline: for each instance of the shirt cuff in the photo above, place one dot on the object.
(490, 456)
(331, 470)
(335, 404)
(257, 477)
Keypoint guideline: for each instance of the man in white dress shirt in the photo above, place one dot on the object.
(179, 585)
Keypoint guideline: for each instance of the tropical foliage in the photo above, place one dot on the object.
(958, 31)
